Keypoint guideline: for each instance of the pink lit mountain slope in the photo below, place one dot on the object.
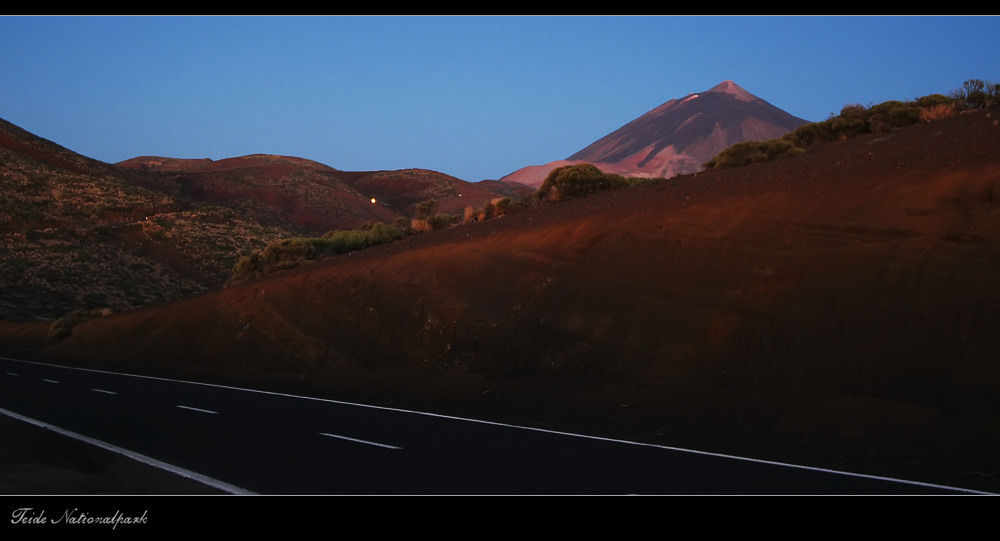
(677, 137)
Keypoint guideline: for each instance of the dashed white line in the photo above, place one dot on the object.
(535, 429)
(103, 391)
(196, 409)
(50, 380)
(359, 441)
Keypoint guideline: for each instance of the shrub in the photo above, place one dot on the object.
(248, 266)
(289, 253)
(440, 221)
(977, 94)
(853, 111)
(294, 252)
(935, 112)
(418, 225)
(426, 209)
(933, 100)
(63, 327)
(749, 152)
(494, 208)
(578, 180)
(892, 114)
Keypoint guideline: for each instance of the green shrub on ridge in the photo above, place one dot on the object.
(297, 251)
(578, 180)
(748, 152)
(855, 120)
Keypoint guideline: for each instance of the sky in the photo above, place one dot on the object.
(476, 97)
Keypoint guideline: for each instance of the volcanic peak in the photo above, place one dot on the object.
(729, 87)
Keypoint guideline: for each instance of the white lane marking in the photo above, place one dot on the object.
(103, 391)
(203, 479)
(196, 409)
(13, 374)
(359, 441)
(50, 380)
(519, 427)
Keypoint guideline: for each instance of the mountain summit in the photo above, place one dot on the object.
(679, 135)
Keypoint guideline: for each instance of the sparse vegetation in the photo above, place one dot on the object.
(70, 241)
(295, 252)
(493, 208)
(749, 152)
(977, 94)
(63, 327)
(855, 119)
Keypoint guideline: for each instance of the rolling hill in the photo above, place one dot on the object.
(79, 235)
(308, 196)
(836, 309)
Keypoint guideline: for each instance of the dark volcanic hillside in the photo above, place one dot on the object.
(836, 309)
(80, 235)
(678, 136)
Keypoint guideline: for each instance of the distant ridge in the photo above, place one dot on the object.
(678, 136)
(80, 234)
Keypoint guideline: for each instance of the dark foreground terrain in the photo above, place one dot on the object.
(837, 309)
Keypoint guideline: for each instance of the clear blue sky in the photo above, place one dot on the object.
(473, 97)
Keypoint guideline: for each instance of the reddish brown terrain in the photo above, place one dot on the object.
(837, 309)
(308, 196)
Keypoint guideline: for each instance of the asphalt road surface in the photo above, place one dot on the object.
(253, 442)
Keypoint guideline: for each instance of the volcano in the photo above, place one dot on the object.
(678, 136)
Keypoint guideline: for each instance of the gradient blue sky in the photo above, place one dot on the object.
(473, 97)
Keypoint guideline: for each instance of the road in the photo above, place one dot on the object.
(254, 442)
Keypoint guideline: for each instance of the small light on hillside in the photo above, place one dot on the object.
(373, 200)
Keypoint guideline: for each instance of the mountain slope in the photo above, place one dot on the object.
(310, 196)
(292, 192)
(678, 136)
(77, 234)
(835, 309)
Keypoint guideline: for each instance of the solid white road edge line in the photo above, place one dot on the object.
(495, 423)
(226, 487)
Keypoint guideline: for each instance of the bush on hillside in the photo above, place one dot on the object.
(978, 94)
(578, 180)
(936, 106)
(892, 114)
(493, 208)
(749, 152)
(426, 209)
(294, 252)
(372, 234)
(63, 327)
